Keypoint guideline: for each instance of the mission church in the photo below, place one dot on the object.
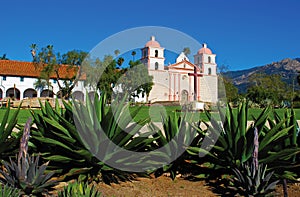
(182, 81)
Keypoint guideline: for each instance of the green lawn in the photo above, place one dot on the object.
(153, 112)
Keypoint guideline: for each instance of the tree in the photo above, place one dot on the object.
(120, 61)
(135, 81)
(226, 88)
(298, 77)
(117, 52)
(267, 88)
(103, 74)
(40, 84)
(133, 53)
(231, 91)
(3, 57)
(49, 63)
(74, 57)
(186, 51)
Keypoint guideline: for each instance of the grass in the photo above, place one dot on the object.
(152, 113)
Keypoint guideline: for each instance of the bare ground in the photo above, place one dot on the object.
(164, 186)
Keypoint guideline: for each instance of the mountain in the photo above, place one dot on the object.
(287, 68)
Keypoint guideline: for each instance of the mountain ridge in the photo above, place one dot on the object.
(287, 68)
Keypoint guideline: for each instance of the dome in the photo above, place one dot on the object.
(152, 43)
(204, 50)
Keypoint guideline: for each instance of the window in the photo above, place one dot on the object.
(21, 79)
(54, 81)
(209, 59)
(156, 65)
(4, 78)
(198, 60)
(145, 53)
(156, 53)
(209, 71)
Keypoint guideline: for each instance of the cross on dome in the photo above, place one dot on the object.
(152, 43)
(204, 50)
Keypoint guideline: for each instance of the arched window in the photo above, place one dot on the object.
(209, 59)
(209, 71)
(199, 60)
(156, 53)
(145, 53)
(156, 65)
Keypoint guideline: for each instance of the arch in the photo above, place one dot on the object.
(30, 93)
(209, 59)
(184, 98)
(1, 94)
(13, 93)
(47, 93)
(78, 95)
(156, 66)
(156, 53)
(209, 71)
(92, 95)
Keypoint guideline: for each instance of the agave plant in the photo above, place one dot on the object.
(234, 144)
(9, 140)
(251, 178)
(70, 137)
(286, 166)
(6, 190)
(79, 189)
(253, 181)
(176, 135)
(26, 173)
(111, 134)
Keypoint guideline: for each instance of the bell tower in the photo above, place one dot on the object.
(153, 55)
(206, 61)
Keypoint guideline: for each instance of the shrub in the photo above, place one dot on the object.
(71, 139)
(232, 145)
(9, 140)
(174, 138)
(6, 190)
(79, 189)
(26, 173)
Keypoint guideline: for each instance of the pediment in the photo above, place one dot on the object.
(183, 65)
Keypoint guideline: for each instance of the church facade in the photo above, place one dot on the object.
(182, 81)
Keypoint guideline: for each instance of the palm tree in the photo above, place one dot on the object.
(3, 57)
(33, 50)
(40, 84)
(117, 52)
(186, 51)
(120, 61)
(133, 53)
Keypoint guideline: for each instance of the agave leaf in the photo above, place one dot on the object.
(273, 134)
(52, 142)
(58, 126)
(4, 133)
(280, 155)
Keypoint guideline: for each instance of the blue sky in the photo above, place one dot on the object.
(243, 33)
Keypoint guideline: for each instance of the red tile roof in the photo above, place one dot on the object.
(28, 69)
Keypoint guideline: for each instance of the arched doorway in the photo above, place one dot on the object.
(78, 95)
(1, 94)
(47, 93)
(184, 97)
(30, 93)
(92, 95)
(13, 93)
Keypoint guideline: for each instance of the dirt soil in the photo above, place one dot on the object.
(164, 186)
